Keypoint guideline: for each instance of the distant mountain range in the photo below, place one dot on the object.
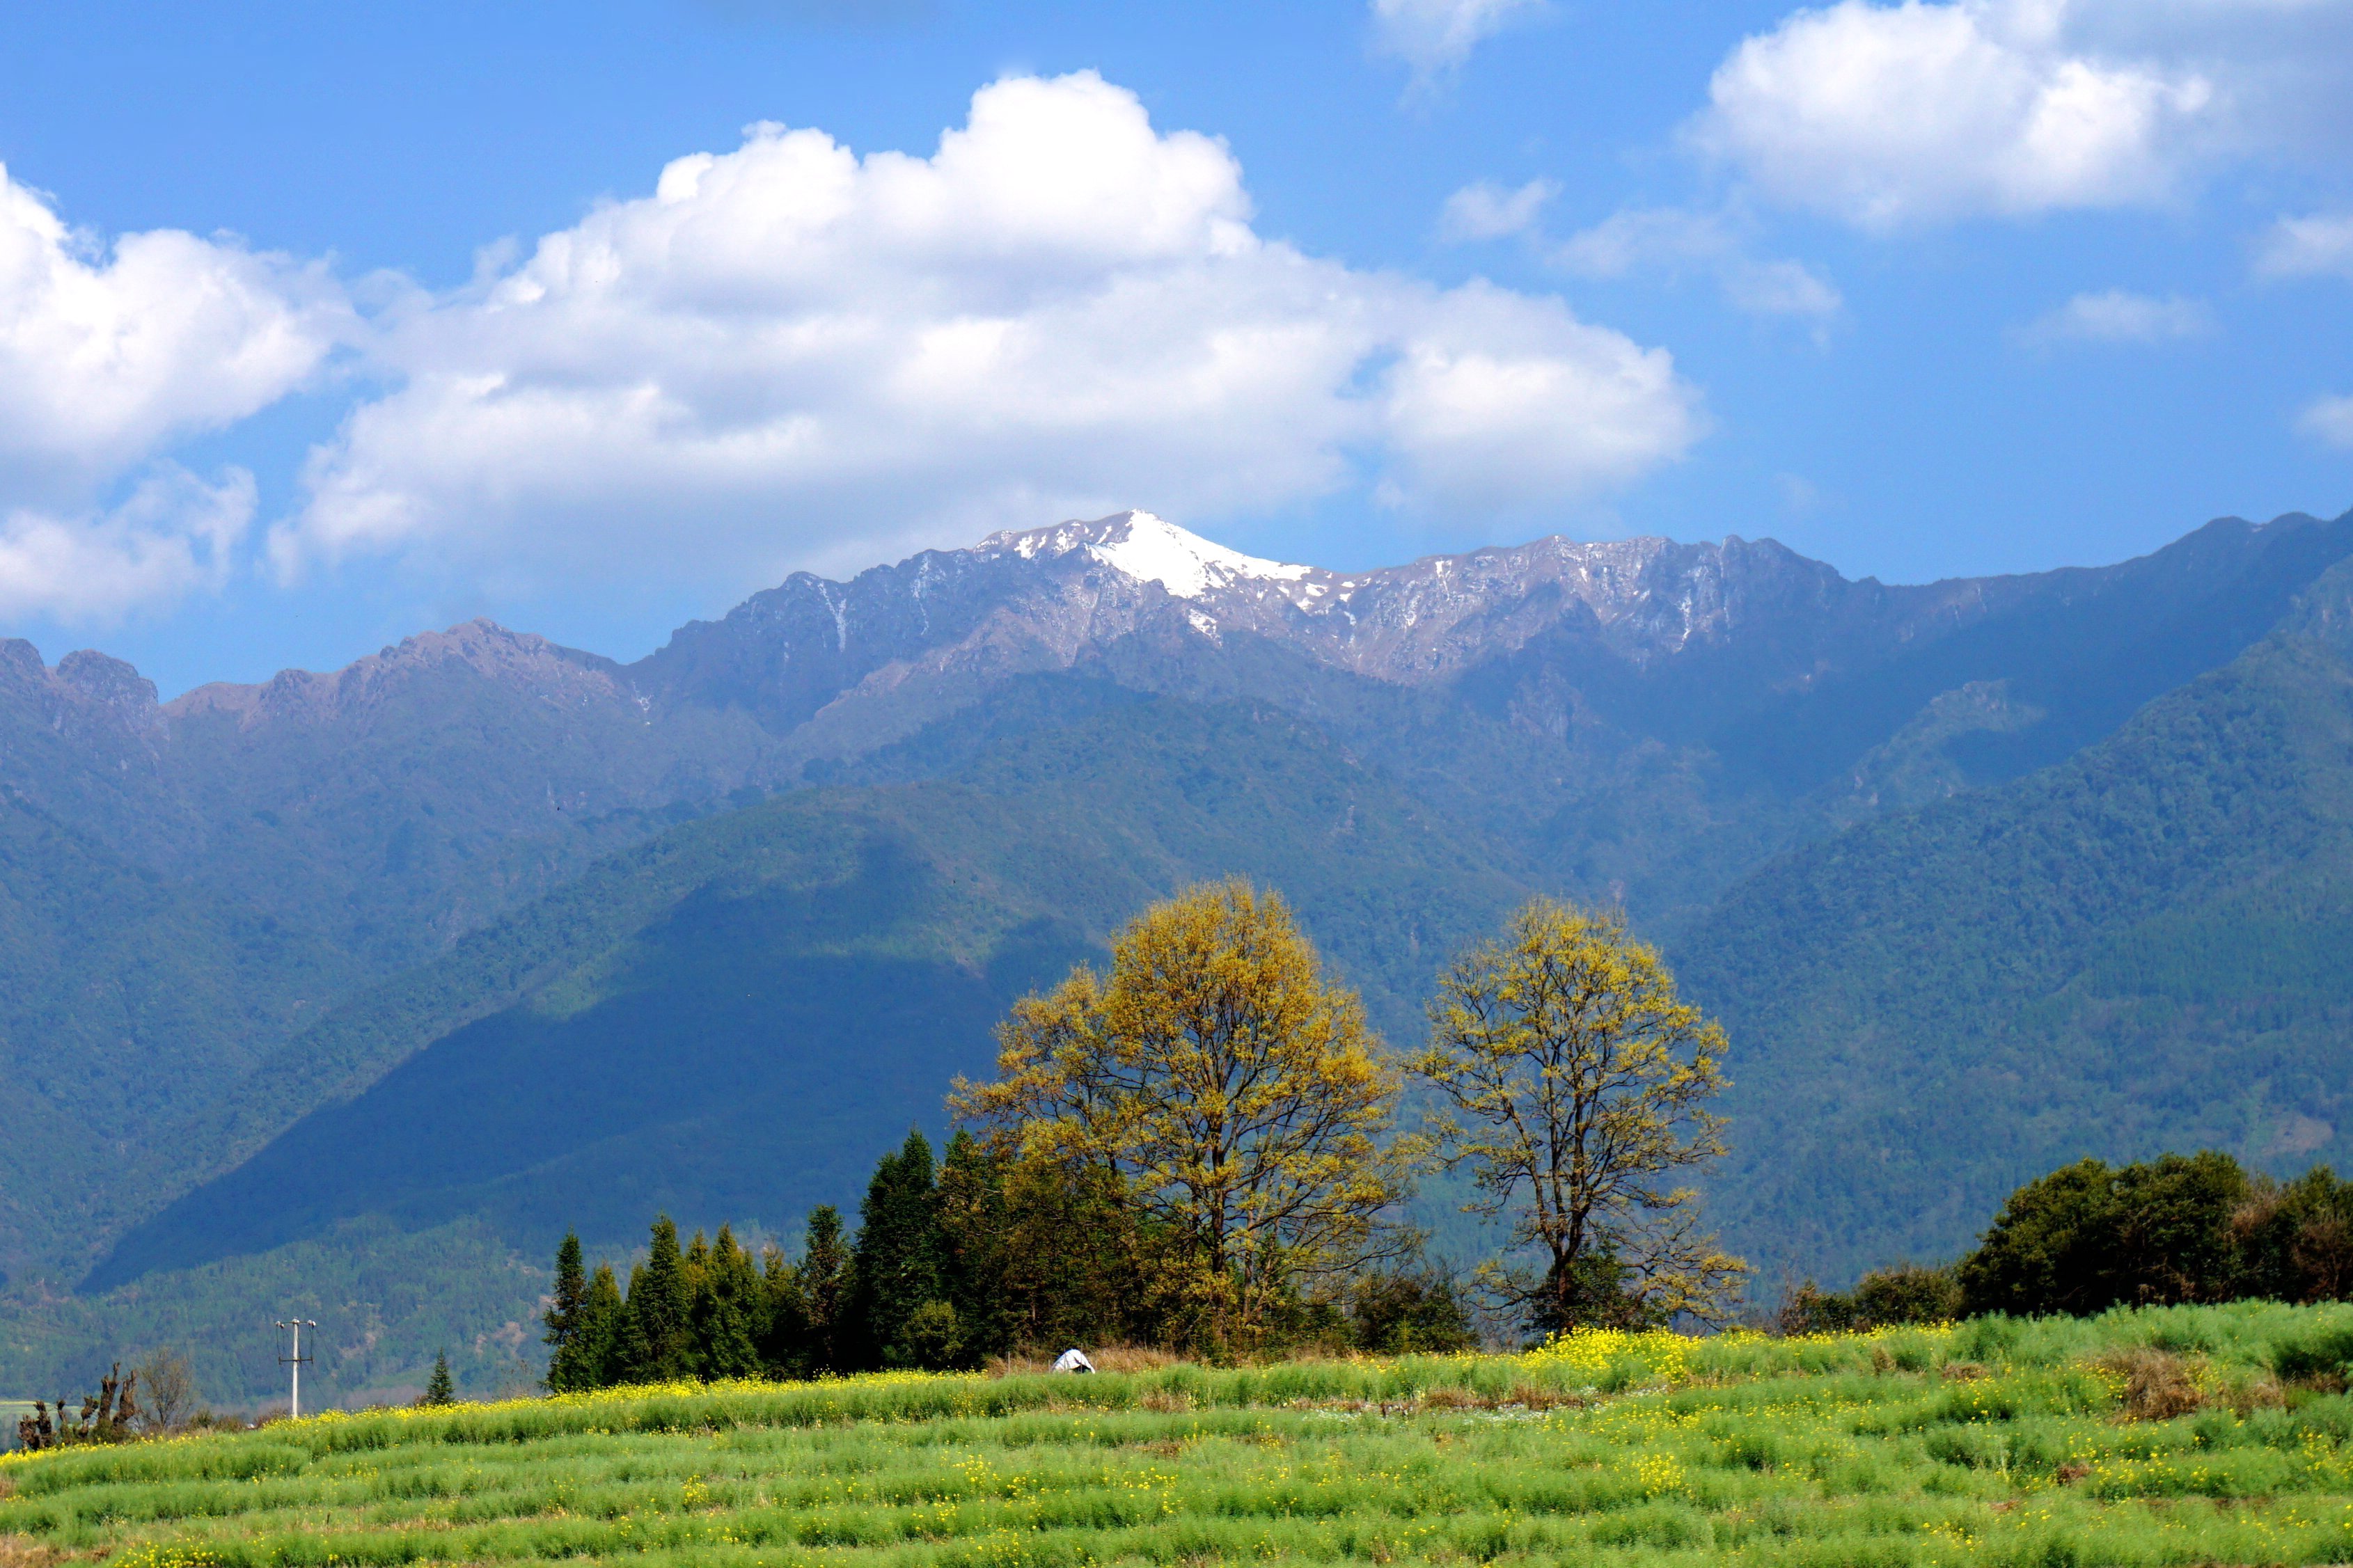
(481, 936)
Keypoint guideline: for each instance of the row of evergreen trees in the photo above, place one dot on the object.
(954, 1262)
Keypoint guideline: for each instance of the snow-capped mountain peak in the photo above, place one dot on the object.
(1151, 550)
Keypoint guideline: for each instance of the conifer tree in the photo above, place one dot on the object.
(598, 1344)
(972, 1219)
(785, 1317)
(727, 1295)
(896, 1263)
(631, 1354)
(657, 1345)
(825, 1280)
(564, 1317)
(441, 1390)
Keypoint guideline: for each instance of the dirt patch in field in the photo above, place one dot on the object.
(24, 1552)
(2158, 1385)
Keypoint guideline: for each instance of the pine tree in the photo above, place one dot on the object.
(727, 1294)
(785, 1321)
(441, 1390)
(598, 1360)
(693, 1272)
(825, 1280)
(632, 1354)
(897, 1259)
(659, 1342)
(972, 1217)
(563, 1318)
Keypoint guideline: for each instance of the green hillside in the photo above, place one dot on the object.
(2145, 947)
(2156, 1437)
(132, 994)
(731, 1019)
(182, 892)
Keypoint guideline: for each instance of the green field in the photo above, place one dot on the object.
(2180, 1436)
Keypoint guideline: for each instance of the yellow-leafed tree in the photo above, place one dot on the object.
(1575, 1085)
(1236, 1096)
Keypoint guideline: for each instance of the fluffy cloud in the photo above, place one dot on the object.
(2118, 317)
(107, 354)
(174, 533)
(789, 354)
(2320, 245)
(1889, 116)
(1674, 240)
(2328, 419)
(1435, 37)
(1502, 402)
(1484, 210)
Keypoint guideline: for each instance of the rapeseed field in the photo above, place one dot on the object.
(2177, 1435)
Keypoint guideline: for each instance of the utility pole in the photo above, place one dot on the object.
(294, 1403)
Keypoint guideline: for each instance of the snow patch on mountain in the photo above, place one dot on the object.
(1152, 550)
(1183, 562)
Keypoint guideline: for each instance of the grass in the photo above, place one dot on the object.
(2165, 1437)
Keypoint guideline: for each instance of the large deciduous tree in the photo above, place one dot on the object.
(1235, 1094)
(1575, 1084)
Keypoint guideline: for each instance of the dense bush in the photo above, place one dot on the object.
(1884, 1298)
(2176, 1229)
(1409, 1312)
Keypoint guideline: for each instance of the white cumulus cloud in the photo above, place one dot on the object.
(2318, 245)
(1435, 37)
(2328, 419)
(108, 353)
(789, 354)
(1504, 402)
(1889, 116)
(2118, 316)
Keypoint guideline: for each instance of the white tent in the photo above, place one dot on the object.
(1073, 1359)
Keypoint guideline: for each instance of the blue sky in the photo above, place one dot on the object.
(320, 325)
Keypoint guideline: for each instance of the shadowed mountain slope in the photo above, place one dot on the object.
(2148, 946)
(770, 995)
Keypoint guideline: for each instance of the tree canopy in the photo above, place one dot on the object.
(1235, 1094)
(1575, 1085)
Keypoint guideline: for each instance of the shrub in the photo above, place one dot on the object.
(1409, 1313)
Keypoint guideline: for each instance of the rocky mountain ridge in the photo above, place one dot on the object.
(1043, 598)
(1556, 661)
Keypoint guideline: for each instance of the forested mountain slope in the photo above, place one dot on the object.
(2148, 946)
(732, 1018)
(236, 920)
